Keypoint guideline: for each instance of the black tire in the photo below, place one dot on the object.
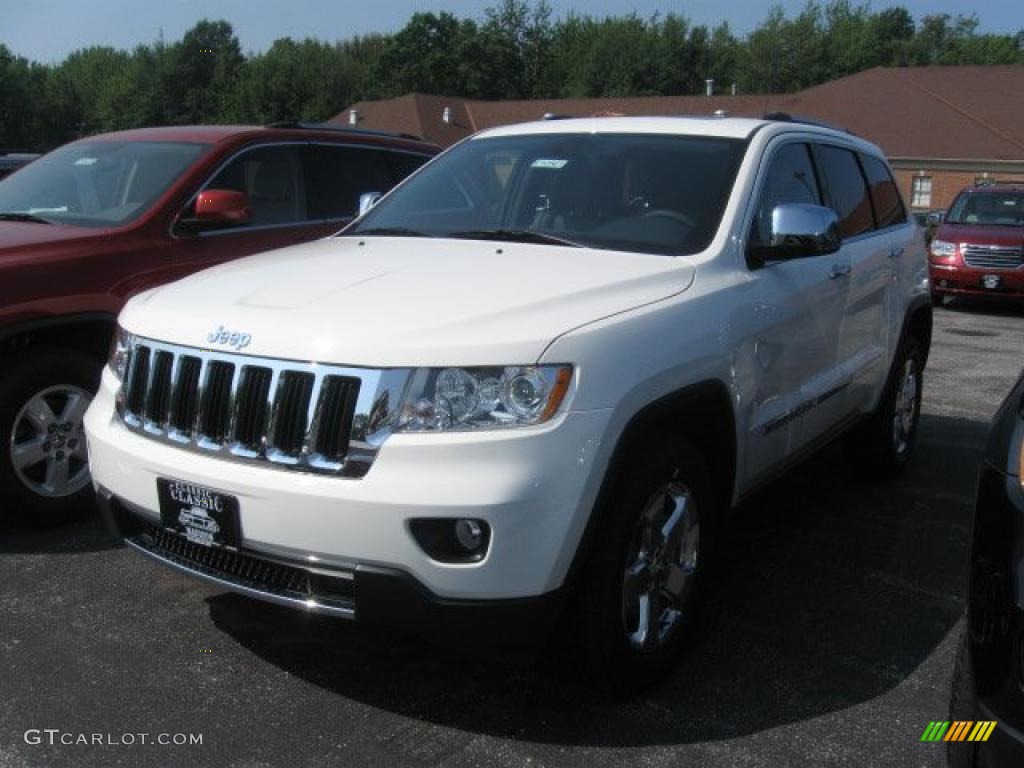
(607, 635)
(59, 378)
(878, 447)
(962, 706)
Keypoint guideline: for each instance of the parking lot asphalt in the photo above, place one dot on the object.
(828, 638)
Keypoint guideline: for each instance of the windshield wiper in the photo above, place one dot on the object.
(19, 216)
(514, 236)
(386, 231)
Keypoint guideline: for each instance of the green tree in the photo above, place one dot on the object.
(203, 69)
(304, 80)
(426, 55)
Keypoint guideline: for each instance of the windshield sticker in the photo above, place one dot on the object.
(86, 161)
(542, 162)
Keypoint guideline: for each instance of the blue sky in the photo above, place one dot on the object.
(47, 30)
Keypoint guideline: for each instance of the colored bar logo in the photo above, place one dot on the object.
(958, 730)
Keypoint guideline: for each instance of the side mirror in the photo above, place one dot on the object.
(367, 200)
(222, 206)
(216, 209)
(800, 230)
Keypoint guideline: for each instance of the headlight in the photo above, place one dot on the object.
(942, 249)
(439, 399)
(120, 351)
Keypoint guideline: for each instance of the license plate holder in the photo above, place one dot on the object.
(202, 515)
(991, 282)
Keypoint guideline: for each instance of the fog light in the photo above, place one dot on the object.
(470, 534)
(450, 540)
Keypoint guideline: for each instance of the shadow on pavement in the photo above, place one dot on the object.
(831, 591)
(995, 308)
(85, 535)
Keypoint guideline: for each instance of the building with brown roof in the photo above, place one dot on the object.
(942, 127)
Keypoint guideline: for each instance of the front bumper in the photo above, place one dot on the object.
(958, 279)
(374, 595)
(534, 487)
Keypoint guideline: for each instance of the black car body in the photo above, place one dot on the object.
(989, 679)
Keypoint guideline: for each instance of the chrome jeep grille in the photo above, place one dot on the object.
(306, 416)
(993, 256)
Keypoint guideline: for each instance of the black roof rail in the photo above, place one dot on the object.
(309, 126)
(785, 117)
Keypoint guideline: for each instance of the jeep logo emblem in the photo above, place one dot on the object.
(230, 338)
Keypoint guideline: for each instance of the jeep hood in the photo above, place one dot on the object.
(398, 302)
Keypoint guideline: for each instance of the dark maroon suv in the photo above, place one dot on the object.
(979, 248)
(88, 225)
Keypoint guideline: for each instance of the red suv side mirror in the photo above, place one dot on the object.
(222, 206)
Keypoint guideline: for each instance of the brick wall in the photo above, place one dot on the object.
(946, 184)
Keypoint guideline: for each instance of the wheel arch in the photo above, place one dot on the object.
(701, 413)
(918, 322)
(89, 332)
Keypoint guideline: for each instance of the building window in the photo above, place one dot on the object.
(921, 192)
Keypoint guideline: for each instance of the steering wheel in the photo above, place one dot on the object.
(667, 213)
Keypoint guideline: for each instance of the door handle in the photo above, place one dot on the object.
(839, 270)
(896, 251)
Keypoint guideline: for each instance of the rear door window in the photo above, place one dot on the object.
(885, 196)
(404, 163)
(847, 191)
(339, 175)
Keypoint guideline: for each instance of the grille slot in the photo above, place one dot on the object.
(185, 403)
(292, 415)
(251, 407)
(994, 257)
(138, 379)
(291, 409)
(337, 406)
(159, 396)
(214, 410)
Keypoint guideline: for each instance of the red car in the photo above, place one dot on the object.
(978, 250)
(88, 225)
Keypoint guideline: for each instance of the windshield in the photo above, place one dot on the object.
(631, 192)
(990, 207)
(96, 184)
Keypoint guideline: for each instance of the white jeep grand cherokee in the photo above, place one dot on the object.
(542, 368)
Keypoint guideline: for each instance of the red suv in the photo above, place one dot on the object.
(979, 248)
(90, 224)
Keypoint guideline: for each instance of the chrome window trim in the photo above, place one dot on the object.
(380, 392)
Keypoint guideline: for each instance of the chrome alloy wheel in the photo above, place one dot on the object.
(47, 442)
(661, 562)
(905, 408)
